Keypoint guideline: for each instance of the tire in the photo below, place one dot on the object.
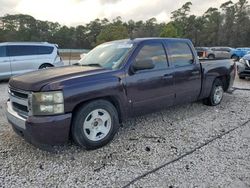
(211, 56)
(216, 94)
(242, 77)
(45, 66)
(90, 129)
(235, 57)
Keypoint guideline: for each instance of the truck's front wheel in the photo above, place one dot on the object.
(216, 94)
(95, 124)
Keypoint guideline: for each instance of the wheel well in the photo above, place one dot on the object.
(225, 81)
(110, 99)
(210, 55)
(46, 64)
(234, 55)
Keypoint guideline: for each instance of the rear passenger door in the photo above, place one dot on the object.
(23, 58)
(187, 76)
(5, 69)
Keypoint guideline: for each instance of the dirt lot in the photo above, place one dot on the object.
(190, 145)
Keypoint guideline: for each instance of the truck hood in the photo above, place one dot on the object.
(34, 81)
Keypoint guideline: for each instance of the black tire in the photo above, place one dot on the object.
(79, 133)
(211, 56)
(242, 77)
(235, 57)
(45, 66)
(210, 101)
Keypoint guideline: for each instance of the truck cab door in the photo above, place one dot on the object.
(187, 75)
(150, 89)
(5, 68)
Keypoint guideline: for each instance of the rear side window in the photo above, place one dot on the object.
(23, 50)
(156, 53)
(45, 50)
(180, 53)
(2, 51)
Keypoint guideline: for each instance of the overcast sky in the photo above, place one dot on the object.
(74, 12)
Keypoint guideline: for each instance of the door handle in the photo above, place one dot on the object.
(167, 76)
(195, 72)
(5, 61)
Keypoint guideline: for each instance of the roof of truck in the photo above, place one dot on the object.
(138, 40)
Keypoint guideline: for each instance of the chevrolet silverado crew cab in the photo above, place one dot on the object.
(113, 82)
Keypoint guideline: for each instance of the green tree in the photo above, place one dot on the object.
(169, 31)
(112, 32)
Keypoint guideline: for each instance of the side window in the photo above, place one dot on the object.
(21, 50)
(2, 51)
(42, 50)
(154, 52)
(180, 53)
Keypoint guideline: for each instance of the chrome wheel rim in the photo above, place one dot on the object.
(218, 94)
(97, 125)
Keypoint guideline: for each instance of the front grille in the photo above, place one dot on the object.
(19, 94)
(19, 100)
(21, 109)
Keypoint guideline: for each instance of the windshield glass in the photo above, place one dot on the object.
(108, 55)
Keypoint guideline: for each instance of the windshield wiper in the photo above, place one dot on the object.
(92, 65)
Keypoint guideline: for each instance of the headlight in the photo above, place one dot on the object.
(244, 61)
(47, 103)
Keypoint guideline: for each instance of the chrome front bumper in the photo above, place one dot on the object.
(14, 118)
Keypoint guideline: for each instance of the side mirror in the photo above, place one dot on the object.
(143, 65)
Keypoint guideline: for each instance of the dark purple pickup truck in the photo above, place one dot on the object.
(115, 81)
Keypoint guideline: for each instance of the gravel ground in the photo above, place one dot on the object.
(194, 146)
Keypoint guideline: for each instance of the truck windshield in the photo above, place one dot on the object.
(108, 55)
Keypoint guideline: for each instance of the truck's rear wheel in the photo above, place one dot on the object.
(95, 124)
(216, 94)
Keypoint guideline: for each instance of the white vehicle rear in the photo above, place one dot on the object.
(21, 57)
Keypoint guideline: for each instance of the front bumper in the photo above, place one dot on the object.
(243, 70)
(40, 131)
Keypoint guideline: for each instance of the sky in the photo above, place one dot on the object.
(80, 12)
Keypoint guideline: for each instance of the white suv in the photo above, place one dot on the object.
(21, 57)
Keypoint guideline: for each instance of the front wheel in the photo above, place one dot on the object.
(95, 124)
(216, 94)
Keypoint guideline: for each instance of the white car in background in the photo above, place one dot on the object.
(21, 57)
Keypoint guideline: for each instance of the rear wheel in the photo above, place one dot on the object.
(211, 56)
(95, 124)
(216, 94)
(45, 66)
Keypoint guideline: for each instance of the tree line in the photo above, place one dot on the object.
(228, 25)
